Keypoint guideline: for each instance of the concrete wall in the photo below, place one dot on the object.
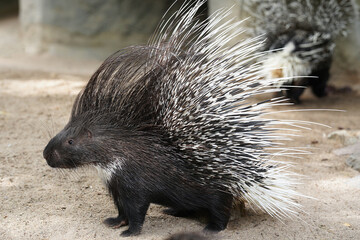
(87, 28)
(347, 51)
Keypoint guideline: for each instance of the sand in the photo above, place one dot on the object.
(38, 202)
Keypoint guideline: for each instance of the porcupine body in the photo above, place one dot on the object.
(301, 35)
(172, 123)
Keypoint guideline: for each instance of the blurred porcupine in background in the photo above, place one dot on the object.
(174, 123)
(301, 36)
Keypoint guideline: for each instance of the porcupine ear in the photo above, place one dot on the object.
(89, 133)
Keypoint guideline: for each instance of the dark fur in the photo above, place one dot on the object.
(152, 171)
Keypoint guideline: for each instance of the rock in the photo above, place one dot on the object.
(93, 28)
(354, 161)
(347, 137)
(352, 149)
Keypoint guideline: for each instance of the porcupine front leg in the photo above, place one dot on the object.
(118, 221)
(319, 85)
(121, 219)
(219, 212)
(294, 92)
(135, 209)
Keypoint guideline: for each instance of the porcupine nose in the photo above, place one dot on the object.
(48, 154)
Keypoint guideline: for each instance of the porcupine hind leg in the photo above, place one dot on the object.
(219, 212)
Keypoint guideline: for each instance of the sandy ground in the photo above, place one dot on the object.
(38, 202)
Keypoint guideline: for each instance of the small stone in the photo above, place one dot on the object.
(347, 137)
(352, 149)
(354, 161)
(339, 135)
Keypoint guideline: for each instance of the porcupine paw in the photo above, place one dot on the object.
(178, 213)
(213, 228)
(320, 91)
(116, 222)
(128, 233)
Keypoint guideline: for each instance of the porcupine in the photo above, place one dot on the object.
(172, 123)
(301, 35)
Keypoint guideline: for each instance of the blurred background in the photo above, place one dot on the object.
(93, 29)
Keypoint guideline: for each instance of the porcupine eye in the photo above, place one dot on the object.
(70, 141)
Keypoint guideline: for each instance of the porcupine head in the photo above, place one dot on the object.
(78, 144)
(171, 123)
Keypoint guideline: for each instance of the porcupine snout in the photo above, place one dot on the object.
(51, 155)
